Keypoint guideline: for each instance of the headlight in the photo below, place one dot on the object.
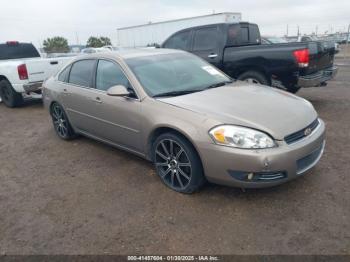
(240, 137)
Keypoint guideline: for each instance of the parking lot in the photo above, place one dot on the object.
(84, 197)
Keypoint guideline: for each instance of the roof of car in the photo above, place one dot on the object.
(133, 53)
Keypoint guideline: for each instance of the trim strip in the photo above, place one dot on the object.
(104, 121)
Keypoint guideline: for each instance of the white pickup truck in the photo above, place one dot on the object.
(23, 70)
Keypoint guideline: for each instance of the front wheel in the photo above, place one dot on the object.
(177, 163)
(293, 89)
(8, 95)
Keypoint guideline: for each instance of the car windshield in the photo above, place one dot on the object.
(175, 74)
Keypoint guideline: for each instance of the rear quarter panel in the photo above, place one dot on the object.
(274, 60)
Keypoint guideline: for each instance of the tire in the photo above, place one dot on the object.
(9, 96)
(254, 78)
(61, 123)
(293, 89)
(177, 163)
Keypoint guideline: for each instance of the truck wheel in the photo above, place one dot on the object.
(293, 89)
(254, 77)
(8, 95)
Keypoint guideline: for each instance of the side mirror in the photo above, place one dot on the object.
(118, 90)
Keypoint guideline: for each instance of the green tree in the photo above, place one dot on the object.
(56, 44)
(94, 41)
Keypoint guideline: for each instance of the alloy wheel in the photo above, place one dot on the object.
(59, 121)
(173, 164)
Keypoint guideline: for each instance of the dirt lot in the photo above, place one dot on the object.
(83, 197)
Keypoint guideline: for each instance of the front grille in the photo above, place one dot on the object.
(292, 138)
(310, 160)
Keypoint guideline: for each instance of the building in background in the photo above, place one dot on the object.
(155, 33)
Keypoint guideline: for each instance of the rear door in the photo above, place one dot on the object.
(206, 44)
(76, 94)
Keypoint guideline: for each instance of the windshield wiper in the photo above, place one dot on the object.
(185, 92)
(223, 83)
(176, 93)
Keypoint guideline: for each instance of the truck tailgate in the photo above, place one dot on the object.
(321, 56)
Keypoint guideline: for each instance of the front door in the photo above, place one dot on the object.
(116, 119)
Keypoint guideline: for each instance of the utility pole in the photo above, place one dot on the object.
(316, 30)
(347, 40)
(298, 30)
(287, 30)
(77, 38)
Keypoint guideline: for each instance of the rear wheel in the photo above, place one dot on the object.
(253, 77)
(8, 95)
(177, 163)
(61, 123)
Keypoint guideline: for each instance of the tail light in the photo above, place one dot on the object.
(302, 57)
(22, 72)
(12, 43)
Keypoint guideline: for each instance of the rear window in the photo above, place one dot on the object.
(17, 51)
(254, 34)
(243, 34)
(82, 72)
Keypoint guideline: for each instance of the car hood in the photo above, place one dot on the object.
(271, 110)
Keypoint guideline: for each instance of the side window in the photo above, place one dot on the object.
(109, 74)
(82, 73)
(205, 39)
(63, 76)
(179, 41)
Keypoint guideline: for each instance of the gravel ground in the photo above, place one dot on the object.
(84, 197)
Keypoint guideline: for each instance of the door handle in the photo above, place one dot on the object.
(98, 100)
(54, 62)
(213, 55)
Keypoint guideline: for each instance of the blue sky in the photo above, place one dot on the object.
(35, 20)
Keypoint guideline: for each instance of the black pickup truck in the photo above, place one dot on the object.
(237, 50)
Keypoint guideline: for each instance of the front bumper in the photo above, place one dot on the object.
(318, 78)
(32, 87)
(227, 166)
